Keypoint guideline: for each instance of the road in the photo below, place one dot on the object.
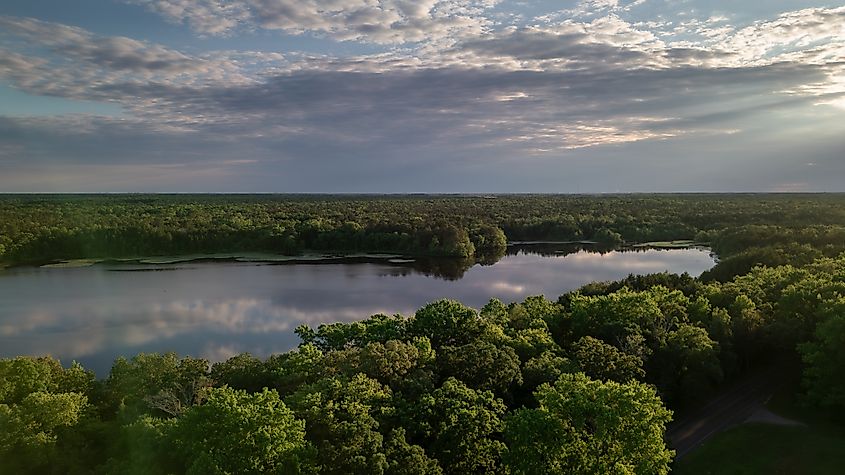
(731, 407)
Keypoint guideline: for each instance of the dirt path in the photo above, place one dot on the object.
(733, 406)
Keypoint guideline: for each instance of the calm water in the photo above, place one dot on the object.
(218, 309)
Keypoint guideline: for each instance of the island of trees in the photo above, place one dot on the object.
(586, 383)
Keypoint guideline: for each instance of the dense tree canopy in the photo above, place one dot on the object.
(237, 432)
(591, 427)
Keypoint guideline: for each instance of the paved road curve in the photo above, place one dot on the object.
(729, 408)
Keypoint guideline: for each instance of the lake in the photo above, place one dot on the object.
(217, 309)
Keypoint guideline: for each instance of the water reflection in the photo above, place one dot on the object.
(454, 269)
(217, 309)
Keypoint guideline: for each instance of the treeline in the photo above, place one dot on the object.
(583, 384)
(744, 247)
(748, 228)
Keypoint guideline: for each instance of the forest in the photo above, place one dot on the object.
(585, 382)
(743, 229)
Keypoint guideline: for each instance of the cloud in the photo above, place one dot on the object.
(601, 44)
(808, 31)
(59, 60)
(347, 120)
(586, 9)
(211, 17)
(115, 53)
(382, 21)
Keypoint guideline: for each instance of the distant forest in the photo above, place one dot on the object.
(586, 382)
(743, 230)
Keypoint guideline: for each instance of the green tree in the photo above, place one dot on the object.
(591, 427)
(608, 237)
(446, 322)
(237, 432)
(289, 371)
(143, 447)
(487, 239)
(242, 371)
(399, 364)
(687, 366)
(615, 316)
(340, 417)
(482, 365)
(404, 458)
(24, 375)
(461, 427)
(545, 368)
(157, 383)
(30, 429)
(532, 342)
(45, 415)
(824, 359)
(605, 362)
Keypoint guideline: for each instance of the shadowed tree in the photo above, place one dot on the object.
(605, 362)
(340, 417)
(461, 427)
(446, 322)
(824, 357)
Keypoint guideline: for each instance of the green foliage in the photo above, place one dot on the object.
(143, 446)
(605, 362)
(288, 371)
(824, 357)
(341, 418)
(691, 369)
(462, 427)
(30, 428)
(242, 371)
(615, 316)
(404, 458)
(482, 365)
(446, 322)
(40, 402)
(237, 432)
(545, 368)
(487, 239)
(607, 237)
(338, 336)
(25, 375)
(399, 364)
(157, 384)
(40, 228)
(588, 426)
(744, 261)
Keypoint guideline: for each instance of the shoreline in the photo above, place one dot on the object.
(324, 257)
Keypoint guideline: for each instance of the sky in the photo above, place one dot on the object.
(410, 96)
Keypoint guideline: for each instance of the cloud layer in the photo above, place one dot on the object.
(460, 90)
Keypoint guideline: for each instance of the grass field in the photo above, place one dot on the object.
(818, 448)
(769, 449)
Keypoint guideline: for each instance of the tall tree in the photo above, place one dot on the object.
(591, 427)
(237, 432)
